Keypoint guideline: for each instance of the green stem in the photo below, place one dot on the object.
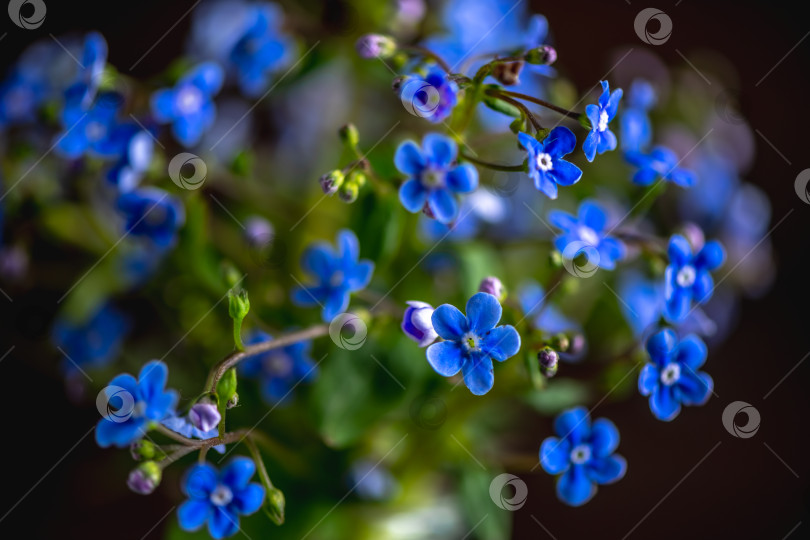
(542, 103)
(257, 457)
(237, 334)
(493, 166)
(523, 108)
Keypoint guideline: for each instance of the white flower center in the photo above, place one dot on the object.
(221, 495)
(580, 454)
(337, 279)
(471, 341)
(278, 364)
(588, 236)
(189, 100)
(686, 276)
(95, 131)
(544, 162)
(671, 374)
(433, 177)
(603, 121)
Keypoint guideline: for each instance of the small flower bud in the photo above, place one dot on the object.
(508, 73)
(349, 135)
(233, 402)
(145, 478)
(349, 192)
(372, 46)
(543, 55)
(518, 125)
(274, 505)
(143, 449)
(561, 342)
(417, 323)
(238, 304)
(331, 181)
(549, 361)
(258, 232)
(204, 416)
(493, 286)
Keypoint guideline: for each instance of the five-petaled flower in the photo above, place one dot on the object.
(219, 497)
(417, 324)
(152, 213)
(587, 229)
(547, 167)
(583, 455)
(337, 274)
(434, 176)
(189, 106)
(672, 378)
(601, 139)
(472, 342)
(688, 276)
(659, 162)
(279, 370)
(133, 405)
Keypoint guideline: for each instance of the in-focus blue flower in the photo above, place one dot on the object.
(92, 343)
(601, 139)
(435, 177)
(583, 455)
(472, 342)
(89, 130)
(219, 497)
(417, 324)
(189, 106)
(152, 213)
(688, 276)
(672, 378)
(660, 162)
(431, 97)
(133, 405)
(635, 127)
(587, 229)
(547, 167)
(337, 274)
(136, 150)
(279, 370)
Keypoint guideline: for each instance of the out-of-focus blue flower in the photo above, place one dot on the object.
(189, 106)
(635, 128)
(279, 370)
(472, 342)
(94, 57)
(583, 455)
(706, 202)
(152, 213)
(371, 481)
(547, 317)
(688, 276)
(431, 97)
(137, 404)
(417, 324)
(587, 228)
(92, 343)
(20, 98)
(480, 208)
(434, 176)
(601, 139)
(660, 162)
(672, 378)
(245, 37)
(89, 130)
(547, 168)
(337, 274)
(136, 151)
(219, 497)
(184, 426)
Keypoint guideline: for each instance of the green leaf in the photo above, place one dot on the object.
(559, 395)
(501, 106)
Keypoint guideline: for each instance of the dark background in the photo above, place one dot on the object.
(679, 483)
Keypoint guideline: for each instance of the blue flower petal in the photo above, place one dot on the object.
(645, 176)
(573, 425)
(319, 260)
(125, 381)
(683, 177)
(693, 388)
(648, 379)
(483, 312)
(223, 523)
(309, 296)
(711, 256)
(574, 487)
(692, 352)
(199, 481)
(152, 379)
(479, 376)
(237, 473)
(606, 470)
(528, 142)
(408, 159)
(590, 143)
(443, 205)
(662, 345)
(359, 276)
(501, 343)
(449, 322)
(610, 250)
(591, 215)
(162, 104)
(249, 499)
(439, 151)
(565, 173)
(592, 112)
(677, 306)
(607, 142)
(463, 179)
(337, 302)
(604, 438)
(192, 514)
(207, 76)
(413, 195)
(559, 142)
(664, 404)
(348, 246)
(546, 184)
(119, 434)
(555, 455)
(562, 220)
(613, 103)
(446, 357)
(679, 250)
